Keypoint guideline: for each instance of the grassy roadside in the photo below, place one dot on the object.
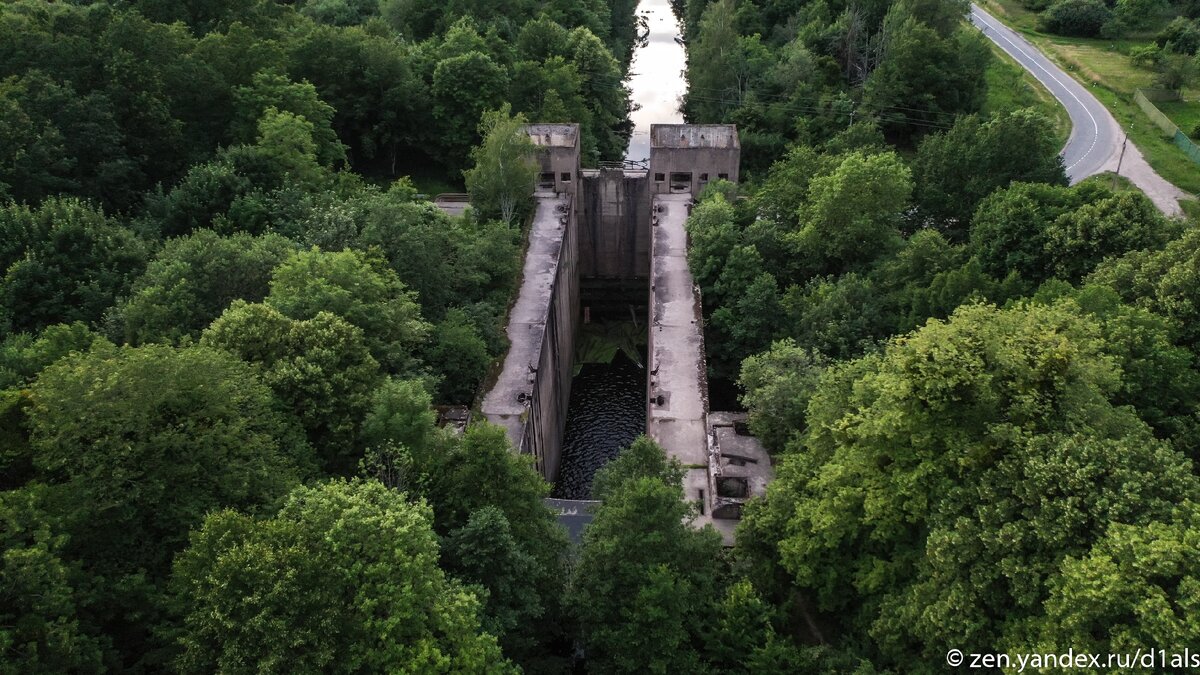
(1009, 86)
(1105, 68)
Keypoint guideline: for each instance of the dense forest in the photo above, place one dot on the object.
(228, 312)
(979, 384)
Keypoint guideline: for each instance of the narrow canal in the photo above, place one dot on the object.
(656, 80)
(608, 394)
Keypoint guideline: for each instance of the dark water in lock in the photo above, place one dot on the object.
(607, 411)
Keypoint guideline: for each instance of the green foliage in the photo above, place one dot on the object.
(319, 368)
(193, 279)
(989, 443)
(642, 459)
(140, 443)
(286, 141)
(851, 213)
(64, 261)
(459, 356)
(1162, 281)
(484, 554)
(956, 169)
(360, 289)
(148, 439)
(501, 182)
(40, 631)
(343, 579)
(24, 355)
(459, 477)
(644, 577)
(923, 76)
(270, 90)
(1077, 18)
(1137, 585)
(1081, 239)
(1010, 227)
(778, 384)
(1173, 72)
(1182, 35)
(401, 413)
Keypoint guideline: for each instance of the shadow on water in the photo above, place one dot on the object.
(607, 411)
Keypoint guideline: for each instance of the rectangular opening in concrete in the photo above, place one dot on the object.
(566, 177)
(660, 177)
(546, 180)
(681, 182)
(607, 410)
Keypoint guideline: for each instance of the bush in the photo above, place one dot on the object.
(1181, 35)
(1195, 132)
(1078, 18)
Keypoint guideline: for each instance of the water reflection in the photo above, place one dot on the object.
(656, 79)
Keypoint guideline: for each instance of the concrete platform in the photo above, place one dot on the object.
(508, 402)
(678, 385)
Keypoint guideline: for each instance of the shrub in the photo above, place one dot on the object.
(1079, 18)
(1181, 35)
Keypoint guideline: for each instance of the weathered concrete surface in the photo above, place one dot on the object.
(531, 393)
(557, 155)
(614, 224)
(739, 468)
(686, 157)
(678, 386)
(453, 204)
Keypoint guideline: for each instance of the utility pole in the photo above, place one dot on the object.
(1121, 158)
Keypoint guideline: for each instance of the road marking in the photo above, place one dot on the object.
(976, 13)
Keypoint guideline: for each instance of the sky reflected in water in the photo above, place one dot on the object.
(656, 76)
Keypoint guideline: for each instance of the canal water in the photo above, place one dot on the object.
(656, 81)
(607, 411)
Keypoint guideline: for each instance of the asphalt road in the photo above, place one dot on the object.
(1095, 135)
(1096, 139)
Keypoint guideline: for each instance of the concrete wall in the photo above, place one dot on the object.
(614, 225)
(701, 166)
(686, 157)
(533, 389)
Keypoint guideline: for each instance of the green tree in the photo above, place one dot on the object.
(1079, 240)
(645, 579)
(924, 77)
(193, 279)
(343, 579)
(1009, 229)
(360, 289)
(40, 631)
(954, 170)
(485, 555)
(1163, 281)
(778, 384)
(140, 443)
(464, 88)
(286, 140)
(63, 261)
(852, 213)
(501, 182)
(971, 448)
(458, 354)
(642, 459)
(319, 368)
(1137, 585)
(271, 90)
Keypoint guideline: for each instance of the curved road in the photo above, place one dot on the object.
(1095, 142)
